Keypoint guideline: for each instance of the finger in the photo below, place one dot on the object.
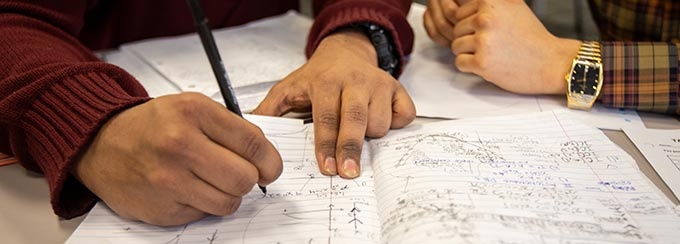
(464, 27)
(241, 137)
(353, 123)
(223, 169)
(442, 24)
(449, 8)
(403, 108)
(274, 103)
(467, 63)
(465, 44)
(380, 113)
(178, 214)
(432, 30)
(325, 114)
(466, 10)
(206, 198)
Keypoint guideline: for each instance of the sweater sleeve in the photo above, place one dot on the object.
(390, 14)
(641, 76)
(55, 94)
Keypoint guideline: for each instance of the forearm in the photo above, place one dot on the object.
(54, 96)
(641, 76)
(389, 14)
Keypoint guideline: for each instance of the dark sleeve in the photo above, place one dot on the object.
(390, 14)
(55, 94)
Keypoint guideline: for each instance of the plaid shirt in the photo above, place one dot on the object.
(640, 57)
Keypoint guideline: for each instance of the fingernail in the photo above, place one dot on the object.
(329, 166)
(350, 168)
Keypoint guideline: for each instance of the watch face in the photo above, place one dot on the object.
(584, 78)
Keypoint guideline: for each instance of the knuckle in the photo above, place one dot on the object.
(186, 103)
(461, 65)
(480, 40)
(352, 148)
(163, 181)
(377, 131)
(245, 185)
(329, 119)
(172, 141)
(483, 20)
(405, 117)
(327, 146)
(253, 144)
(165, 217)
(449, 8)
(231, 205)
(441, 24)
(356, 114)
(481, 62)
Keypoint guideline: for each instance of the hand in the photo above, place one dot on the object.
(440, 18)
(176, 159)
(503, 42)
(350, 98)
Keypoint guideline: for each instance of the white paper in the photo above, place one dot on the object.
(662, 149)
(261, 53)
(153, 81)
(531, 178)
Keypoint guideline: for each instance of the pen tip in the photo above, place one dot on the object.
(263, 189)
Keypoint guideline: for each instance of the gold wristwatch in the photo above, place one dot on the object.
(584, 80)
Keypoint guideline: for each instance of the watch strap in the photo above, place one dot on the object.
(388, 58)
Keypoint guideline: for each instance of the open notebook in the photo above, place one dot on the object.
(533, 178)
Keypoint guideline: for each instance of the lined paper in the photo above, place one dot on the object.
(302, 206)
(533, 178)
(540, 178)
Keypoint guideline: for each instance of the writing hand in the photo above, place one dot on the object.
(350, 97)
(176, 159)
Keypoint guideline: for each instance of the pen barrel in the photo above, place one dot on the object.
(213, 54)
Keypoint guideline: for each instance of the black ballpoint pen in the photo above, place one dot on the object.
(220, 72)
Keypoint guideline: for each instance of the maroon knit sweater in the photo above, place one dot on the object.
(55, 94)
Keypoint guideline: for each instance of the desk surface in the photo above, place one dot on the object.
(26, 215)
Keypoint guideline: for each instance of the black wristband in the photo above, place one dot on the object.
(388, 58)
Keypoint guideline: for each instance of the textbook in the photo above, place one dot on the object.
(531, 178)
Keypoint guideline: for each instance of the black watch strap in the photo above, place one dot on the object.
(388, 58)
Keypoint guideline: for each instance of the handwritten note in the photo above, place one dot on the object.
(662, 150)
(303, 206)
(533, 178)
(544, 178)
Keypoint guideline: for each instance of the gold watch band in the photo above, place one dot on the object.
(584, 80)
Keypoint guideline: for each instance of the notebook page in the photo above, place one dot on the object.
(537, 178)
(302, 206)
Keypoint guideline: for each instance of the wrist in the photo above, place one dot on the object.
(350, 39)
(564, 52)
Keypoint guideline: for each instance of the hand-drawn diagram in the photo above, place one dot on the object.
(468, 186)
(469, 183)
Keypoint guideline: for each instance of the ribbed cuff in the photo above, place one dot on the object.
(63, 120)
(342, 14)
